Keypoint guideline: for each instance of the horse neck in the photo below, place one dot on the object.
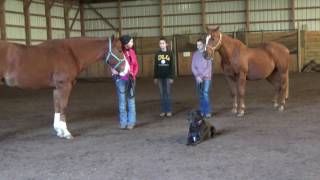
(228, 45)
(88, 50)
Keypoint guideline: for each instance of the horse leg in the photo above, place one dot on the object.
(241, 93)
(283, 90)
(274, 80)
(61, 97)
(233, 87)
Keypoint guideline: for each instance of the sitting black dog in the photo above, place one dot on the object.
(199, 128)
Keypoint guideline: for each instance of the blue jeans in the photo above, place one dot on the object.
(127, 118)
(165, 95)
(203, 92)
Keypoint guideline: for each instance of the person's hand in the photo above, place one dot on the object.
(198, 79)
(114, 72)
(170, 81)
(155, 81)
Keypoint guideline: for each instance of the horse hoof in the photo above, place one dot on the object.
(281, 108)
(240, 114)
(234, 110)
(69, 136)
(275, 105)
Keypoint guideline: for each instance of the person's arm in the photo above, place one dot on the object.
(171, 65)
(135, 64)
(193, 66)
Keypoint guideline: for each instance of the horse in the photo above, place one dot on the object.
(55, 64)
(239, 63)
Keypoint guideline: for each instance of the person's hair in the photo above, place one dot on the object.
(200, 40)
(163, 39)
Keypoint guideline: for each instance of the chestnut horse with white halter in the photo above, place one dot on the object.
(240, 63)
(56, 64)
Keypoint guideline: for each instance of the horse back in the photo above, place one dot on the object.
(34, 66)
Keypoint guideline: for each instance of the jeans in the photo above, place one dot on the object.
(165, 95)
(203, 90)
(127, 118)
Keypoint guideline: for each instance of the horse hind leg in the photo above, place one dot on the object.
(274, 80)
(241, 93)
(61, 97)
(284, 90)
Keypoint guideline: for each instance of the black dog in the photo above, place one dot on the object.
(199, 128)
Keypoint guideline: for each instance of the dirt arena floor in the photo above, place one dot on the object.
(263, 145)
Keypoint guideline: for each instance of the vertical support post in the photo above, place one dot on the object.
(161, 18)
(247, 20)
(66, 8)
(203, 15)
(2, 21)
(120, 17)
(293, 14)
(48, 5)
(82, 26)
(26, 5)
(299, 50)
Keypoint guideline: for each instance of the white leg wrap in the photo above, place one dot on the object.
(61, 127)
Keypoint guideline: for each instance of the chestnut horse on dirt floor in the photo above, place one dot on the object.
(239, 63)
(56, 64)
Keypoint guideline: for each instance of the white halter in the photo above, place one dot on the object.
(216, 46)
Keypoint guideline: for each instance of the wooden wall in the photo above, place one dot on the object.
(185, 45)
(311, 46)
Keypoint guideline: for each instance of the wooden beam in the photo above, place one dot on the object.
(66, 8)
(203, 15)
(2, 21)
(120, 17)
(293, 14)
(26, 5)
(74, 19)
(82, 26)
(48, 5)
(247, 15)
(51, 3)
(161, 18)
(102, 18)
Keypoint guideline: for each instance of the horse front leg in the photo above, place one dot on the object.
(241, 92)
(233, 88)
(60, 98)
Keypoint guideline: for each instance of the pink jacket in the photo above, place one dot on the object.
(133, 61)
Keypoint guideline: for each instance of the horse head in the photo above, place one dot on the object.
(213, 40)
(115, 57)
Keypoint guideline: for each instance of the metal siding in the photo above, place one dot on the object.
(39, 34)
(14, 5)
(37, 8)
(16, 33)
(304, 14)
(14, 19)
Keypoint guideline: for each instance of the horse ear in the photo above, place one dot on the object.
(117, 35)
(212, 28)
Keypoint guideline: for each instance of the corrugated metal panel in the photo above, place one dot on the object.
(37, 8)
(58, 34)
(39, 34)
(235, 17)
(14, 5)
(15, 19)
(14, 32)
(304, 14)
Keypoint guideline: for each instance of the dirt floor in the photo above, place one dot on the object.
(264, 145)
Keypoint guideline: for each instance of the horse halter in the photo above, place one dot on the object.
(214, 47)
(110, 53)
